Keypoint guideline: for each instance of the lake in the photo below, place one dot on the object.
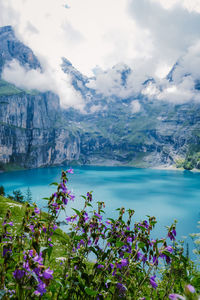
(166, 194)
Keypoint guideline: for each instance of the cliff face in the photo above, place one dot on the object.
(28, 133)
(12, 48)
(31, 134)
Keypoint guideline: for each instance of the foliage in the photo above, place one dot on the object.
(102, 259)
(18, 196)
(2, 190)
(28, 196)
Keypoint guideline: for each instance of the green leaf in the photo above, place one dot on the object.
(34, 275)
(90, 292)
(119, 244)
(2, 293)
(49, 251)
(113, 221)
(78, 237)
(77, 211)
(54, 183)
(168, 254)
(141, 245)
(43, 249)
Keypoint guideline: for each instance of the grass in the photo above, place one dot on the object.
(7, 89)
(59, 239)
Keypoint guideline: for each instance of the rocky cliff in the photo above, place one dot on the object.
(12, 48)
(30, 134)
(30, 131)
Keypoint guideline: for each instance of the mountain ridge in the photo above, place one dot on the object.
(132, 130)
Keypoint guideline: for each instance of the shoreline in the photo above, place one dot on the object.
(174, 168)
(159, 167)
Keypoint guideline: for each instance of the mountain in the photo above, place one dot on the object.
(12, 48)
(30, 130)
(117, 127)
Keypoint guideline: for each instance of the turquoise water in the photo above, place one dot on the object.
(167, 195)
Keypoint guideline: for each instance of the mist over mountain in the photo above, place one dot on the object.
(116, 117)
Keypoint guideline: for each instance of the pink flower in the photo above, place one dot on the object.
(70, 171)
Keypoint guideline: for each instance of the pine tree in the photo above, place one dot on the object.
(18, 196)
(29, 196)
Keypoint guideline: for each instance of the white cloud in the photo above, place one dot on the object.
(190, 5)
(135, 106)
(147, 35)
(188, 64)
(51, 80)
(120, 81)
(150, 90)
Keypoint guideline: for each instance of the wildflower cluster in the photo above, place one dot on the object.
(102, 258)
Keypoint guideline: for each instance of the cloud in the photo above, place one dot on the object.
(190, 5)
(8, 15)
(72, 36)
(120, 81)
(53, 80)
(31, 28)
(172, 30)
(148, 36)
(135, 106)
(188, 64)
(174, 92)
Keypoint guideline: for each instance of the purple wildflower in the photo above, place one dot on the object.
(89, 197)
(100, 266)
(65, 201)
(139, 254)
(129, 239)
(32, 228)
(152, 281)
(176, 297)
(41, 289)
(54, 227)
(70, 171)
(48, 274)
(10, 223)
(144, 258)
(6, 250)
(18, 274)
(169, 249)
(124, 262)
(36, 210)
(98, 216)
(72, 197)
(38, 258)
(190, 288)
(108, 222)
(121, 288)
(172, 234)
